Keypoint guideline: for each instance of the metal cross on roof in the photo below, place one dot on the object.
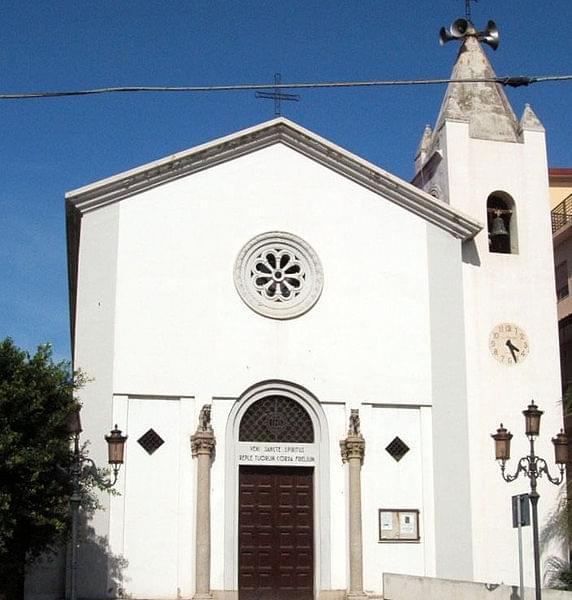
(278, 95)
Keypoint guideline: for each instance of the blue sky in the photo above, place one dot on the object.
(50, 146)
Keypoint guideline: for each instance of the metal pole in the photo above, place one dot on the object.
(534, 501)
(520, 568)
(75, 501)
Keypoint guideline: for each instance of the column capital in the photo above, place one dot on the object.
(352, 447)
(202, 442)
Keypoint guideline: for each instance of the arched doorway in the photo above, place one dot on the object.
(276, 502)
(277, 481)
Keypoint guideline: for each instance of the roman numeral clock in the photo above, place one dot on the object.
(509, 344)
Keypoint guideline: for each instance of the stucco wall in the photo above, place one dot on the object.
(182, 337)
(515, 288)
(177, 248)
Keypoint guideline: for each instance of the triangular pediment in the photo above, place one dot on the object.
(276, 131)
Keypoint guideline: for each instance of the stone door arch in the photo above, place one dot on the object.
(285, 416)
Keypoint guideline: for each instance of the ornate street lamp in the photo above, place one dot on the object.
(82, 467)
(533, 467)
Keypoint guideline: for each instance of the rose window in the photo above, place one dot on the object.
(278, 275)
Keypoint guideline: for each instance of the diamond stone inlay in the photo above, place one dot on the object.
(397, 448)
(150, 441)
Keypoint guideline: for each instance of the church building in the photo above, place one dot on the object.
(309, 356)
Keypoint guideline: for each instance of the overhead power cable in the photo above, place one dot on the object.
(506, 81)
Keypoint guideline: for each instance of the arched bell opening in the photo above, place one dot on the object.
(502, 224)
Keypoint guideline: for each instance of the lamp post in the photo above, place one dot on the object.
(80, 467)
(533, 467)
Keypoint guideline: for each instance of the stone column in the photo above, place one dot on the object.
(353, 451)
(202, 446)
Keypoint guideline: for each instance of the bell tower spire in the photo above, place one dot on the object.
(474, 96)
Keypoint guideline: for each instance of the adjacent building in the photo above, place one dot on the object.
(561, 204)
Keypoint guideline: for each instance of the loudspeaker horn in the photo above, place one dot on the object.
(490, 35)
(459, 28)
(445, 36)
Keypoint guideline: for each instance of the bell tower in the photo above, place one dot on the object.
(480, 158)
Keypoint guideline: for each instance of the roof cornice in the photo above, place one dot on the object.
(557, 174)
(279, 130)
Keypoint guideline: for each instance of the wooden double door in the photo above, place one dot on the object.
(276, 533)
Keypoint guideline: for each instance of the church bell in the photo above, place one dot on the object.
(498, 227)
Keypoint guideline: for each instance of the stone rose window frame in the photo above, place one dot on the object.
(278, 275)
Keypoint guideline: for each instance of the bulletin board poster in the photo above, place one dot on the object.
(398, 525)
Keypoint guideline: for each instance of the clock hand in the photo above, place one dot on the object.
(512, 349)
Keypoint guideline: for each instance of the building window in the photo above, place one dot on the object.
(397, 448)
(278, 275)
(276, 419)
(151, 441)
(501, 222)
(562, 280)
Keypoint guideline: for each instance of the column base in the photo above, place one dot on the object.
(355, 596)
(203, 596)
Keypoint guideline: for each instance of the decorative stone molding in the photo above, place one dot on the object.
(352, 447)
(529, 121)
(205, 418)
(355, 424)
(356, 596)
(278, 275)
(261, 136)
(202, 442)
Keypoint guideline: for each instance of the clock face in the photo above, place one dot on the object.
(509, 344)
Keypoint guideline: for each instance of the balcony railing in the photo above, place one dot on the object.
(562, 214)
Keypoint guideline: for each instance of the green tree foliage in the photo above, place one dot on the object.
(558, 528)
(556, 532)
(36, 399)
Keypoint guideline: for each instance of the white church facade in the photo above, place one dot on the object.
(301, 348)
